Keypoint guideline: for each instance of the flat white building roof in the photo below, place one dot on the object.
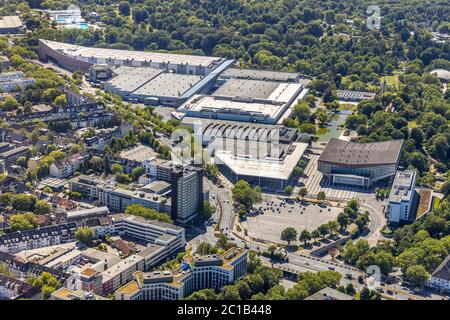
(168, 85)
(268, 168)
(84, 53)
(200, 103)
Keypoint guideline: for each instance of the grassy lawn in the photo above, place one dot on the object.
(391, 80)
(436, 202)
(412, 124)
(347, 106)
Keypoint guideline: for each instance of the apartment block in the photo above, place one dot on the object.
(195, 273)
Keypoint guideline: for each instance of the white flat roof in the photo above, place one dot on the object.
(168, 85)
(259, 89)
(81, 52)
(10, 22)
(264, 168)
(200, 103)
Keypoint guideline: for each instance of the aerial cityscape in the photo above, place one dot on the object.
(224, 150)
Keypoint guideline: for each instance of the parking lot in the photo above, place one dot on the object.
(275, 215)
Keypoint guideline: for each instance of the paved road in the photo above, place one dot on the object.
(223, 198)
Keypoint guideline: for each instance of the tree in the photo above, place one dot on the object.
(333, 226)
(212, 170)
(140, 15)
(244, 194)
(10, 103)
(367, 294)
(298, 171)
(322, 117)
(205, 248)
(207, 210)
(315, 235)
(34, 136)
(303, 192)
(42, 207)
(60, 101)
(116, 168)
(305, 236)
(85, 235)
(323, 229)
(23, 202)
(96, 163)
(302, 111)
(23, 221)
(385, 260)
(124, 8)
(321, 196)
(21, 161)
(417, 275)
(289, 234)
(150, 214)
(229, 293)
(6, 199)
(245, 292)
(288, 190)
(343, 220)
(47, 283)
(353, 205)
(137, 172)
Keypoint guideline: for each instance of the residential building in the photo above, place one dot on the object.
(168, 235)
(9, 81)
(68, 294)
(61, 169)
(10, 156)
(23, 269)
(195, 273)
(440, 278)
(121, 273)
(359, 164)
(36, 238)
(403, 198)
(116, 199)
(4, 63)
(89, 280)
(33, 162)
(442, 74)
(329, 294)
(97, 218)
(11, 288)
(186, 193)
(11, 25)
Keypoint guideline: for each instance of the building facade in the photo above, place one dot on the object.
(195, 273)
(440, 278)
(37, 238)
(187, 193)
(359, 164)
(403, 197)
